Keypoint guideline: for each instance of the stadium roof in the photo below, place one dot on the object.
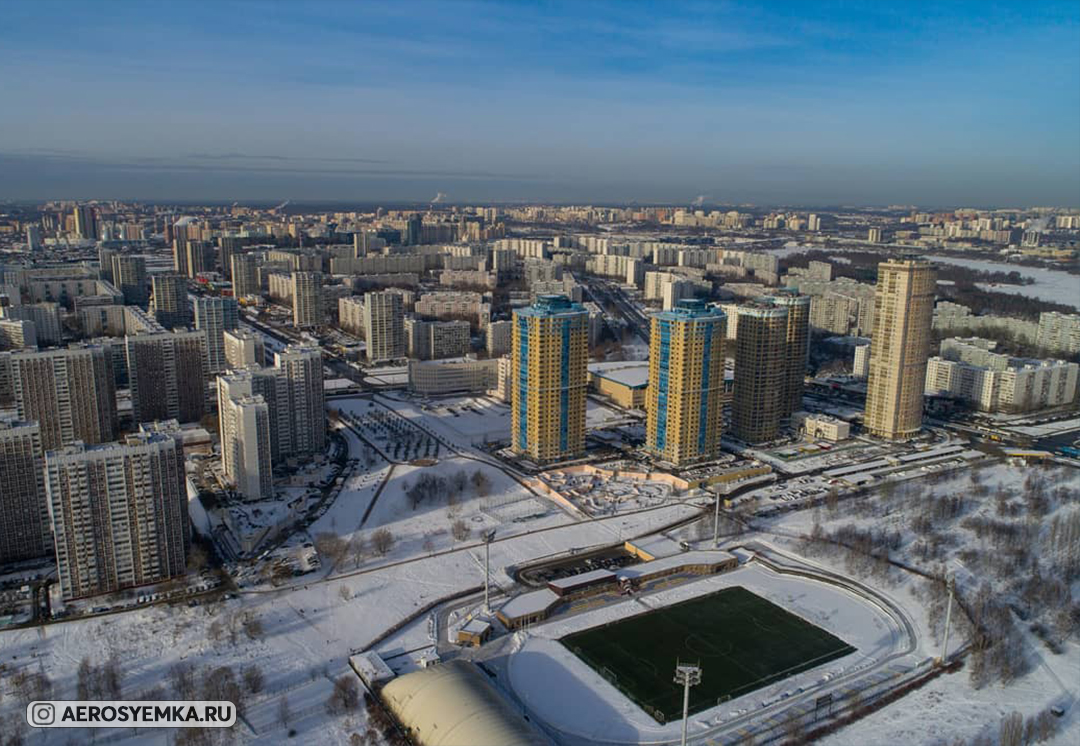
(452, 704)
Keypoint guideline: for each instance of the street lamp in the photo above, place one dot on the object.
(688, 676)
(488, 537)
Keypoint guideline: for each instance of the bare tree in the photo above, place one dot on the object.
(460, 530)
(182, 677)
(382, 541)
(253, 678)
(481, 483)
(112, 678)
(330, 545)
(345, 697)
(345, 593)
(284, 713)
(1012, 730)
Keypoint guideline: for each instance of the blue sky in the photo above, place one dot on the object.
(800, 103)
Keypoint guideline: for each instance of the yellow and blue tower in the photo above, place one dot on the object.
(686, 382)
(549, 379)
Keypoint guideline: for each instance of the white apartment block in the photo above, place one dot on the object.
(351, 314)
(215, 316)
(244, 347)
(970, 370)
(244, 425)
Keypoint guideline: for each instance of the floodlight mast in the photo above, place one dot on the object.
(951, 582)
(688, 676)
(488, 538)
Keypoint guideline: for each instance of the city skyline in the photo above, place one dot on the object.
(825, 104)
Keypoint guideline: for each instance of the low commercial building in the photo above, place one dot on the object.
(625, 383)
(821, 426)
(536, 606)
(452, 376)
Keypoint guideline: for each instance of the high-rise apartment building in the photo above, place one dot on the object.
(435, 340)
(48, 327)
(170, 300)
(1059, 332)
(244, 347)
(499, 338)
(549, 379)
(129, 276)
(351, 314)
(244, 425)
(168, 373)
(272, 386)
(215, 316)
(761, 359)
(899, 348)
(24, 514)
(245, 275)
(86, 223)
(119, 513)
(384, 326)
(105, 264)
(306, 405)
(797, 340)
(307, 299)
(33, 238)
(686, 382)
(70, 393)
(200, 258)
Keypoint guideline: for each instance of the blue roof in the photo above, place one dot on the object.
(691, 309)
(551, 305)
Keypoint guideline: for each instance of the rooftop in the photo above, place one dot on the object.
(632, 374)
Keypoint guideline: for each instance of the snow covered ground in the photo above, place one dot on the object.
(950, 706)
(567, 694)
(310, 625)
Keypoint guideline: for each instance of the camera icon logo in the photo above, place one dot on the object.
(42, 713)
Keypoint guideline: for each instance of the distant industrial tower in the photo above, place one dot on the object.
(761, 359)
(24, 514)
(549, 376)
(899, 348)
(70, 393)
(170, 300)
(307, 299)
(797, 343)
(384, 326)
(686, 382)
(215, 316)
(119, 513)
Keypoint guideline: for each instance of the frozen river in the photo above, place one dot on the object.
(1049, 284)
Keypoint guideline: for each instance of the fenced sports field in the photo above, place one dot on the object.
(741, 641)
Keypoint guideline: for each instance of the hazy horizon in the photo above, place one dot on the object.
(813, 105)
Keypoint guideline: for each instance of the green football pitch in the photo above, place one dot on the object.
(741, 641)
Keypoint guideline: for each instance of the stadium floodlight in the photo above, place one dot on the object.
(488, 537)
(688, 676)
(951, 583)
